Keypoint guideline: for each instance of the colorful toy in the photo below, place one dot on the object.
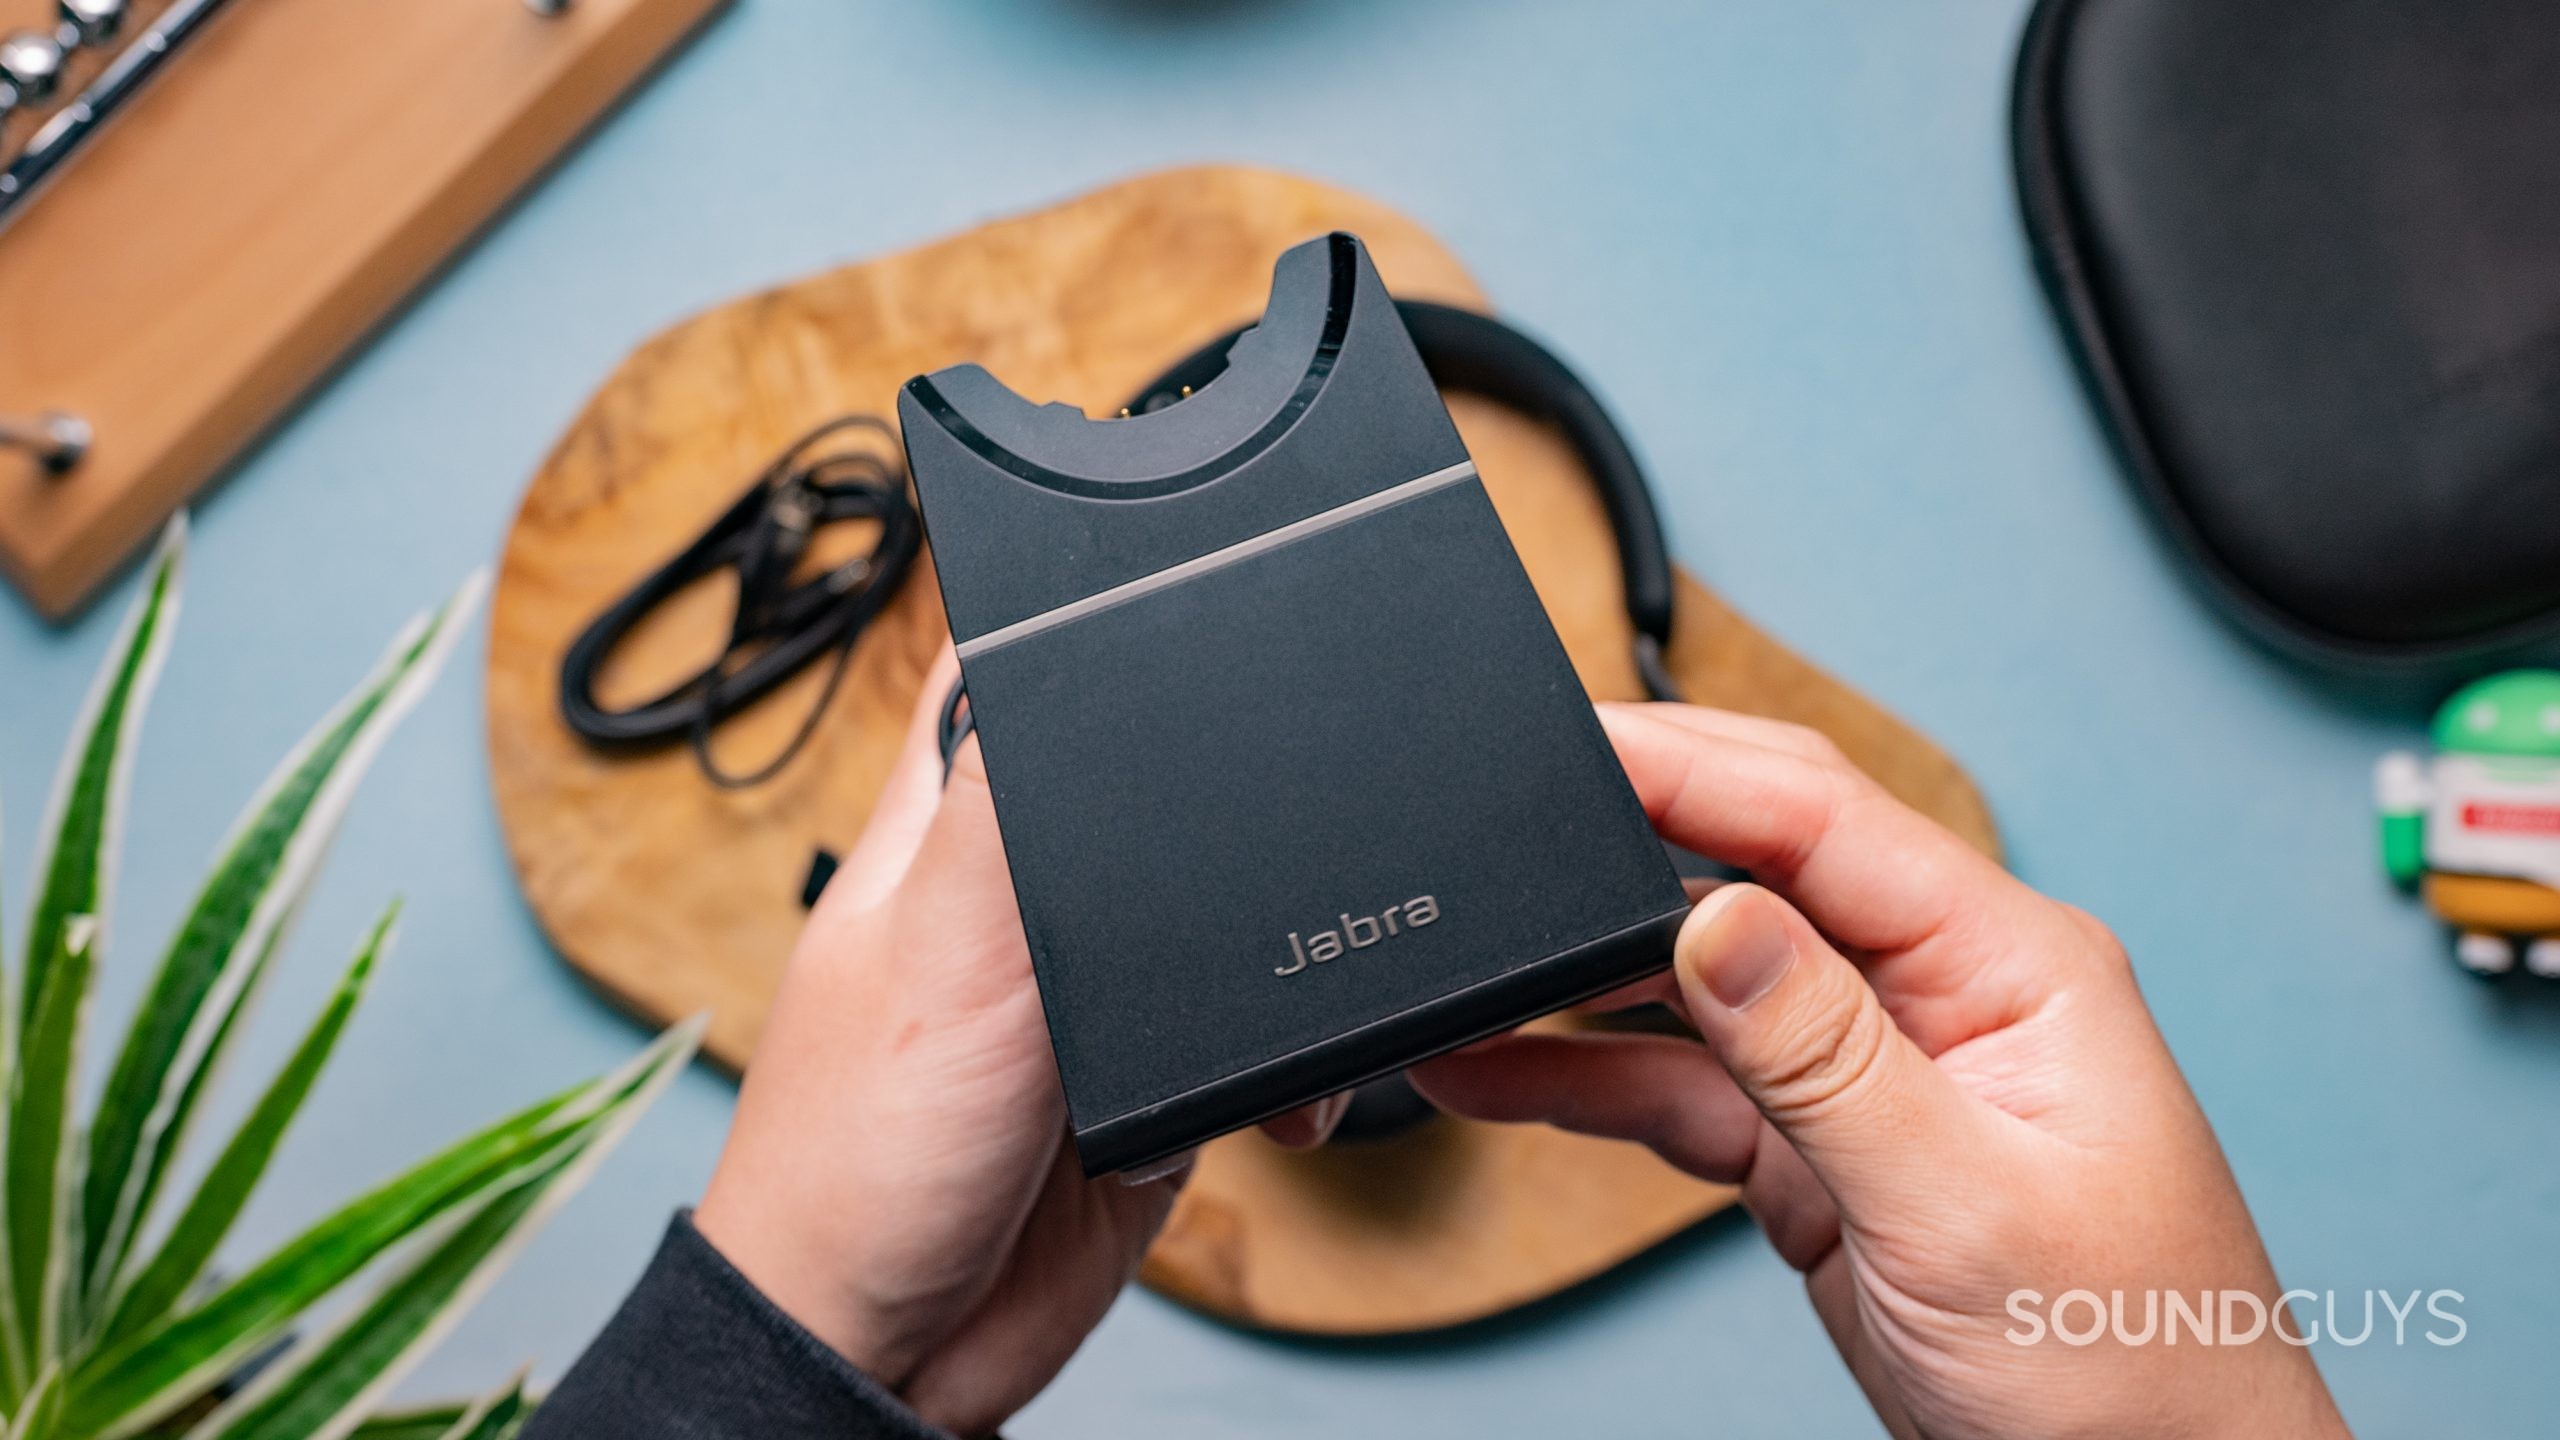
(2476, 830)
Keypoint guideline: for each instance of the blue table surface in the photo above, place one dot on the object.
(1779, 235)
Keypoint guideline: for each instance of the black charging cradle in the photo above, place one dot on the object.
(1295, 780)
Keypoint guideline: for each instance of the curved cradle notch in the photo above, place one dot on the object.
(1325, 404)
(1275, 371)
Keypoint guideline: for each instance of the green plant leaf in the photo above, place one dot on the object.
(325, 1383)
(208, 978)
(40, 1146)
(495, 1417)
(125, 1387)
(430, 1422)
(13, 1376)
(86, 812)
(175, 1358)
(74, 876)
(225, 1189)
(321, 1388)
(40, 1416)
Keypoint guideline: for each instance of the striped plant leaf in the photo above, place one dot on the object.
(207, 978)
(320, 1392)
(75, 875)
(498, 1417)
(324, 1386)
(494, 1416)
(76, 872)
(40, 1417)
(40, 1146)
(225, 1189)
(126, 1387)
(432, 1422)
(174, 1358)
(13, 1374)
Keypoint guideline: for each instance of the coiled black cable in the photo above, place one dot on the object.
(782, 625)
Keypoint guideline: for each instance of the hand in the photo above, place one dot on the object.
(898, 1177)
(1976, 1104)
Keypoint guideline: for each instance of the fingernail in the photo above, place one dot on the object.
(1747, 945)
(1171, 1165)
(1335, 1108)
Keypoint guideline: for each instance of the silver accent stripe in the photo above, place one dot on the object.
(1129, 590)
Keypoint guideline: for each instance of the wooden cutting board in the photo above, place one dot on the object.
(674, 897)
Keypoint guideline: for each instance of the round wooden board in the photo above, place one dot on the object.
(673, 897)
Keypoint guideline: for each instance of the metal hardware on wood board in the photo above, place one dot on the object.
(86, 22)
(31, 60)
(56, 438)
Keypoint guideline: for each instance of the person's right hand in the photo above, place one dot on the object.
(1936, 1089)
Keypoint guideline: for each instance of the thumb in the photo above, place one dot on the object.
(1799, 1030)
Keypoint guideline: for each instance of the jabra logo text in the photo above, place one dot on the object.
(1358, 932)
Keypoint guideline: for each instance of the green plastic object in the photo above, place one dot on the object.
(2514, 713)
(2404, 848)
(2484, 811)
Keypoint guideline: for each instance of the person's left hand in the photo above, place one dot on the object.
(898, 1177)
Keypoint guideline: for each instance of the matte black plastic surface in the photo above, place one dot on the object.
(2308, 252)
(1367, 731)
(1009, 497)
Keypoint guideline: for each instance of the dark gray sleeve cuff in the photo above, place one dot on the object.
(698, 1353)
